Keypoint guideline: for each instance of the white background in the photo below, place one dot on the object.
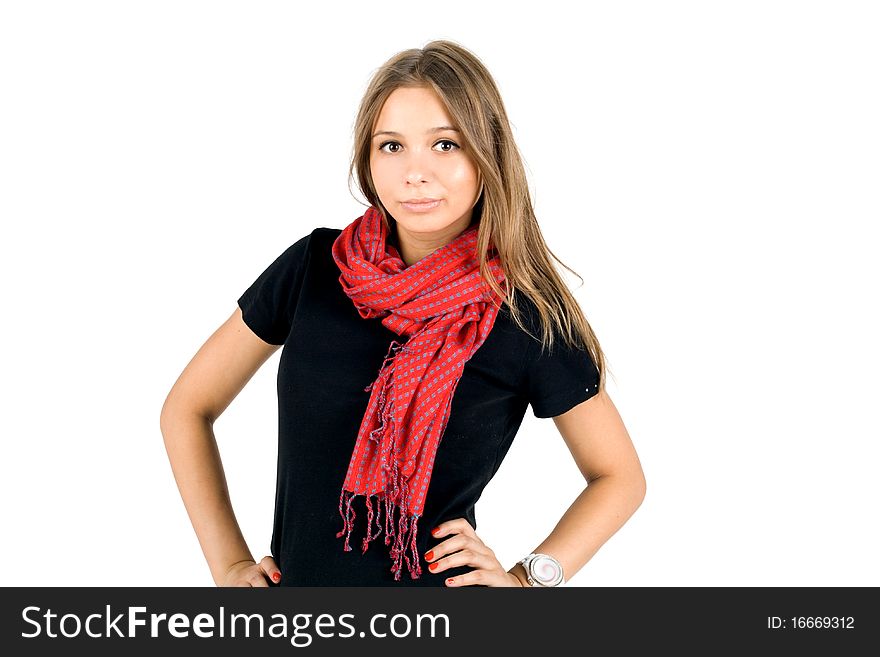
(710, 169)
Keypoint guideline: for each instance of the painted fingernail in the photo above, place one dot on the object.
(450, 580)
(435, 530)
(276, 576)
(433, 566)
(429, 555)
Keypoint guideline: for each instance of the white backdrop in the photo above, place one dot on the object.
(710, 169)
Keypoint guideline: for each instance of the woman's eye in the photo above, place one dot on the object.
(442, 141)
(447, 141)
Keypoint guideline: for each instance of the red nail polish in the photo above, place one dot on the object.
(435, 530)
(276, 577)
(450, 580)
(433, 566)
(430, 555)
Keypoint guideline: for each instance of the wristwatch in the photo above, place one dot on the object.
(543, 570)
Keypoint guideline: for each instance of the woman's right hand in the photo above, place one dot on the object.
(251, 573)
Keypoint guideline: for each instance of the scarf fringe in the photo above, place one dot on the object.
(405, 534)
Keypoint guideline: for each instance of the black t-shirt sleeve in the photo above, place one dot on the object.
(558, 380)
(267, 306)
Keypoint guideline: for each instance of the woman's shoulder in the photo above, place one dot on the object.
(527, 310)
(319, 239)
(322, 234)
(324, 231)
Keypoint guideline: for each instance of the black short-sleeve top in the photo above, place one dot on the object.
(329, 355)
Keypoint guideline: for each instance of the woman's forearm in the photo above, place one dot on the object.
(195, 461)
(598, 512)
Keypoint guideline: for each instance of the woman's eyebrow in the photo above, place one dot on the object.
(428, 132)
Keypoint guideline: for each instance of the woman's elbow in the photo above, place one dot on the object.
(175, 411)
(640, 488)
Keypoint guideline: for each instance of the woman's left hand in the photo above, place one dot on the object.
(464, 548)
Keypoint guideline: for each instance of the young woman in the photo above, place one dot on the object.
(414, 340)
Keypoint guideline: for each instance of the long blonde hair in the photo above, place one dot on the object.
(507, 219)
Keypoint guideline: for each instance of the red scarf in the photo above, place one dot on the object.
(442, 305)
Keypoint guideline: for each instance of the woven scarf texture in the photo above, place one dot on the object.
(445, 311)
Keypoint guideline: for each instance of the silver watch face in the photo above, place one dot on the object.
(545, 570)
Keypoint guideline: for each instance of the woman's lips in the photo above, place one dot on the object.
(421, 207)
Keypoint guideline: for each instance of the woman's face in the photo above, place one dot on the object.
(419, 161)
